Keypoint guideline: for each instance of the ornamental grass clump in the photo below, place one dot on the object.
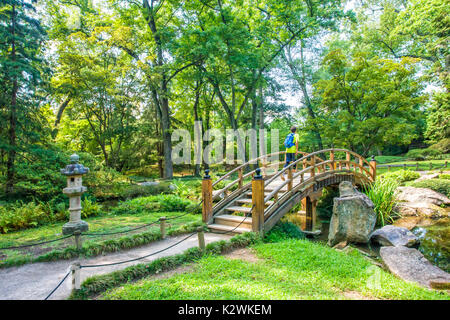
(384, 197)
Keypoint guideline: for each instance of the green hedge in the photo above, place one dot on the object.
(401, 175)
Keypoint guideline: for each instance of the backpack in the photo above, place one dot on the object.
(289, 141)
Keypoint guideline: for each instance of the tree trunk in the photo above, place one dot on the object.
(10, 167)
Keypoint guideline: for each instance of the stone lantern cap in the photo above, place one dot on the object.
(75, 168)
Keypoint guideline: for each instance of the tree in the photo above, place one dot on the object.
(368, 102)
(22, 36)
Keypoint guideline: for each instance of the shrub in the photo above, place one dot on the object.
(383, 195)
(152, 204)
(401, 175)
(442, 146)
(444, 176)
(438, 185)
(424, 154)
(90, 208)
(21, 216)
(282, 231)
(134, 191)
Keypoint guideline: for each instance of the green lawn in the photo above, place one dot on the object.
(289, 269)
(423, 165)
(99, 224)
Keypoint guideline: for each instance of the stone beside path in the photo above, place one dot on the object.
(410, 265)
(36, 280)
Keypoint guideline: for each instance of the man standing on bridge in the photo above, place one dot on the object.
(291, 144)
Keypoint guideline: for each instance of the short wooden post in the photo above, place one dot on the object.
(258, 202)
(289, 179)
(310, 214)
(361, 164)
(207, 197)
(431, 166)
(417, 166)
(201, 238)
(75, 269)
(389, 168)
(78, 243)
(162, 226)
(404, 166)
(445, 164)
(373, 167)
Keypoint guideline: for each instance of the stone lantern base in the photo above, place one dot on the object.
(72, 227)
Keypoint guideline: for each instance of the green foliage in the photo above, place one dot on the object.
(368, 101)
(424, 154)
(443, 146)
(438, 185)
(383, 195)
(325, 203)
(401, 175)
(20, 216)
(282, 231)
(90, 208)
(444, 176)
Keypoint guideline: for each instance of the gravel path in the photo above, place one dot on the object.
(36, 280)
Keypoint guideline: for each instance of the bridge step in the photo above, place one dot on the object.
(234, 221)
(225, 228)
(239, 209)
(249, 201)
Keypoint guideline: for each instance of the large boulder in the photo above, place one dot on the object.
(394, 236)
(353, 216)
(411, 194)
(421, 209)
(410, 265)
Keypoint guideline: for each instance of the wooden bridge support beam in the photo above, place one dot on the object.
(258, 202)
(310, 214)
(207, 197)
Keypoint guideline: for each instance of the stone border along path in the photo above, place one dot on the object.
(36, 280)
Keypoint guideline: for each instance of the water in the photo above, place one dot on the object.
(435, 242)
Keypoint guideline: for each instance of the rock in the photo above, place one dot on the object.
(394, 236)
(421, 209)
(407, 222)
(149, 183)
(427, 177)
(340, 245)
(411, 194)
(440, 284)
(353, 216)
(410, 265)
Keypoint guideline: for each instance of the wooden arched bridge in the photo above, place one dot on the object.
(268, 197)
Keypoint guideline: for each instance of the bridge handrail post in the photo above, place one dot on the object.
(347, 158)
(373, 167)
(313, 163)
(240, 182)
(207, 197)
(289, 178)
(258, 202)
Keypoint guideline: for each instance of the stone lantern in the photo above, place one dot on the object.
(74, 190)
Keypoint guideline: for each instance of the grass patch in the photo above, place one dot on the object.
(289, 269)
(438, 185)
(91, 245)
(98, 284)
